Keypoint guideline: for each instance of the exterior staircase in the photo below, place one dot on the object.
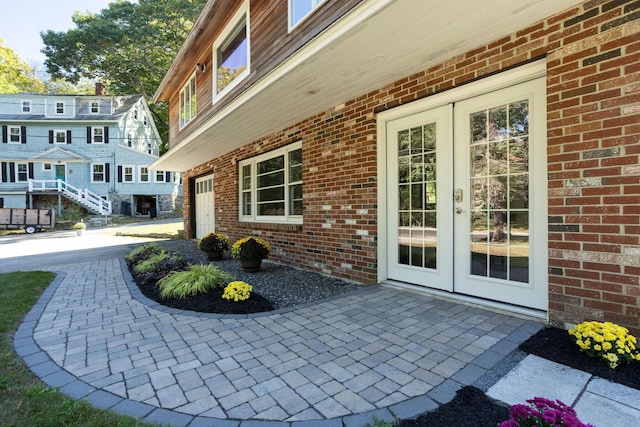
(83, 197)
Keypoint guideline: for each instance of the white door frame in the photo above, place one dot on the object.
(205, 218)
(489, 84)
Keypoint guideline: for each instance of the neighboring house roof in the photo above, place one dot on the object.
(121, 105)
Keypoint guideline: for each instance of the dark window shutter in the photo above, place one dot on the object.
(23, 134)
(119, 173)
(106, 134)
(30, 170)
(88, 134)
(68, 137)
(4, 135)
(5, 172)
(12, 172)
(107, 175)
(50, 137)
(167, 176)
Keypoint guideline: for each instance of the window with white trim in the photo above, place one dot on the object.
(59, 107)
(231, 53)
(60, 136)
(46, 167)
(271, 186)
(15, 134)
(160, 176)
(300, 9)
(22, 172)
(95, 107)
(127, 174)
(26, 106)
(144, 174)
(188, 101)
(97, 135)
(129, 140)
(98, 174)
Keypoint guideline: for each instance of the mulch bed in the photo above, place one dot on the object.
(558, 346)
(211, 302)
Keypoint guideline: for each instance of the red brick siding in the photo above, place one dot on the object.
(593, 92)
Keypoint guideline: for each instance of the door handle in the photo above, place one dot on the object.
(458, 211)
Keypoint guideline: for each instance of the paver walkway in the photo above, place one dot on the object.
(377, 352)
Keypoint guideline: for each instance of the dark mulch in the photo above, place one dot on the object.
(211, 302)
(472, 408)
(469, 408)
(558, 346)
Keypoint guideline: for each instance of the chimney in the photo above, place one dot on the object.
(101, 89)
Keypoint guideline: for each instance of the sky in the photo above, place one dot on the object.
(23, 20)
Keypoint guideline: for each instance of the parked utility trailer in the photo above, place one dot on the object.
(31, 220)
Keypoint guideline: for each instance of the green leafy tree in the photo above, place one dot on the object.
(128, 46)
(16, 75)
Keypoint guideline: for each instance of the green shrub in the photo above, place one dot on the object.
(153, 263)
(198, 279)
(143, 252)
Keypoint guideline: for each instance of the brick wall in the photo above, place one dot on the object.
(593, 148)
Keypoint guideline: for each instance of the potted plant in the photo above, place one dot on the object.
(214, 244)
(251, 251)
(79, 227)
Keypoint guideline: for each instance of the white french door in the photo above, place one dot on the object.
(420, 231)
(466, 188)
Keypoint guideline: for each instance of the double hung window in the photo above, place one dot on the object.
(97, 135)
(271, 186)
(22, 172)
(60, 136)
(98, 172)
(144, 174)
(15, 135)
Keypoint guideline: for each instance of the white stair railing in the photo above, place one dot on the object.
(83, 197)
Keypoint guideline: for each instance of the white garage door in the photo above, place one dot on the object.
(205, 207)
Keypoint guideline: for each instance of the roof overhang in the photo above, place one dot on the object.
(377, 43)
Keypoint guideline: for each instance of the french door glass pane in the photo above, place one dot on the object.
(499, 185)
(417, 228)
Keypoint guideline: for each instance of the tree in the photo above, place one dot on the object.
(127, 46)
(15, 74)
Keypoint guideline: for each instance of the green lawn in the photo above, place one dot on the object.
(24, 399)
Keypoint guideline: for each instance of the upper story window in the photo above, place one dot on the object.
(231, 53)
(160, 176)
(15, 134)
(95, 107)
(271, 186)
(135, 114)
(59, 107)
(97, 135)
(300, 9)
(60, 136)
(188, 101)
(129, 139)
(26, 106)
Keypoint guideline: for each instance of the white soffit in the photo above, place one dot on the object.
(377, 43)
